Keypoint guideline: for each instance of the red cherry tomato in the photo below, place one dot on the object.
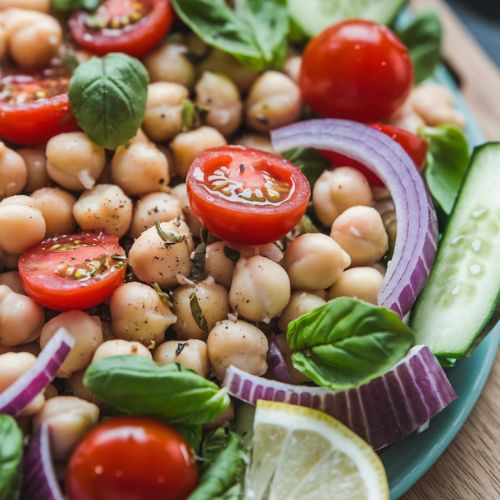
(131, 458)
(131, 26)
(414, 145)
(357, 70)
(74, 271)
(35, 107)
(245, 195)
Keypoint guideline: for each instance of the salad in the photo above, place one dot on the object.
(239, 241)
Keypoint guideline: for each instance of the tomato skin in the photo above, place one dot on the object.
(357, 70)
(414, 145)
(239, 221)
(137, 39)
(47, 288)
(131, 458)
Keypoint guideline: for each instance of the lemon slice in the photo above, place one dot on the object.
(303, 454)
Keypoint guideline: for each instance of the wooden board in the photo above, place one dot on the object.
(470, 467)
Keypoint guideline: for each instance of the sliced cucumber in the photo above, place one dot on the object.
(461, 297)
(313, 16)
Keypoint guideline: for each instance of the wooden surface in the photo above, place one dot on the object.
(470, 467)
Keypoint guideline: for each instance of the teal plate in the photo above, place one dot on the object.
(406, 462)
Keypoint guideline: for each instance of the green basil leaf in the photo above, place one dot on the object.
(309, 161)
(347, 342)
(308, 226)
(231, 253)
(446, 163)
(108, 98)
(168, 238)
(197, 313)
(255, 31)
(11, 458)
(193, 435)
(70, 5)
(226, 461)
(423, 36)
(198, 272)
(138, 386)
(165, 297)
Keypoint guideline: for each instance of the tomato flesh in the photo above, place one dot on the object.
(35, 107)
(131, 458)
(131, 26)
(414, 145)
(245, 195)
(357, 70)
(76, 271)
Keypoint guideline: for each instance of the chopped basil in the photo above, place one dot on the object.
(197, 313)
(309, 161)
(164, 296)
(11, 458)
(168, 238)
(193, 115)
(231, 253)
(70, 5)
(198, 272)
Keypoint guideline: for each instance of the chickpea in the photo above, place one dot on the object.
(296, 377)
(86, 331)
(163, 117)
(217, 265)
(139, 168)
(12, 366)
(74, 161)
(361, 282)
(154, 207)
(36, 165)
(269, 250)
(138, 314)
(260, 289)
(12, 280)
(273, 101)
(169, 63)
(119, 347)
(337, 190)
(19, 199)
(33, 37)
(237, 343)
(78, 389)
(13, 172)
(188, 145)
(104, 208)
(20, 227)
(192, 354)
(213, 301)
(50, 392)
(221, 97)
(314, 261)
(39, 5)
(256, 141)
(56, 206)
(180, 192)
(361, 233)
(407, 119)
(300, 303)
(68, 419)
(292, 68)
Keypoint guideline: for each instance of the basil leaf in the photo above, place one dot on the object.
(108, 98)
(222, 477)
(231, 253)
(197, 313)
(308, 226)
(423, 36)
(70, 5)
(347, 342)
(164, 296)
(138, 386)
(309, 161)
(255, 32)
(446, 163)
(11, 457)
(193, 435)
(198, 272)
(168, 238)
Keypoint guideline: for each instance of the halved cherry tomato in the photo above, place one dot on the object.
(414, 145)
(131, 26)
(35, 107)
(74, 271)
(131, 458)
(245, 195)
(357, 70)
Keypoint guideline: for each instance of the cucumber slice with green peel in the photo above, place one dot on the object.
(460, 300)
(313, 16)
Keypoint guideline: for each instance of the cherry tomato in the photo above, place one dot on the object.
(357, 70)
(131, 26)
(35, 106)
(74, 271)
(414, 145)
(131, 458)
(245, 195)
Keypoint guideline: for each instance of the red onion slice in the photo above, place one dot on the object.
(417, 233)
(382, 411)
(31, 383)
(39, 479)
(278, 369)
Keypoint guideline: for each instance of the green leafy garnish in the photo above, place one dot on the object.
(198, 272)
(255, 31)
(108, 98)
(193, 434)
(70, 5)
(309, 161)
(347, 342)
(193, 115)
(446, 163)
(168, 238)
(197, 313)
(11, 458)
(308, 226)
(423, 36)
(136, 385)
(232, 254)
(164, 296)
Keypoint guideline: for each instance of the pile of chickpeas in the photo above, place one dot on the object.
(72, 184)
